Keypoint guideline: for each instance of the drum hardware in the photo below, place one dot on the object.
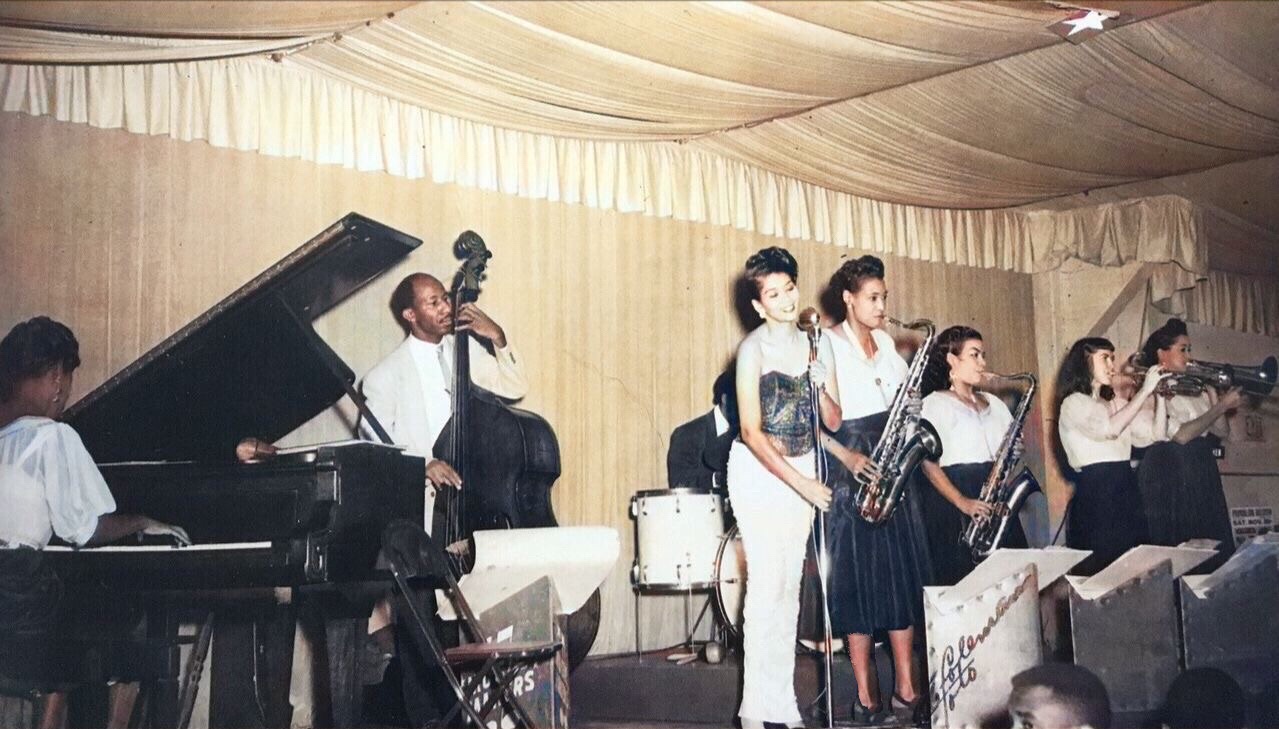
(677, 536)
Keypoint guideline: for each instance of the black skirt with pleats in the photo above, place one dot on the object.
(1181, 491)
(951, 560)
(1106, 514)
(877, 570)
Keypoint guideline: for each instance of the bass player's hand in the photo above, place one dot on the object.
(439, 473)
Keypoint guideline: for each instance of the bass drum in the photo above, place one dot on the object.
(730, 591)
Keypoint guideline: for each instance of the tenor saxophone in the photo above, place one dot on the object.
(1004, 489)
(907, 439)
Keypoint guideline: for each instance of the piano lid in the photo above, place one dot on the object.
(250, 366)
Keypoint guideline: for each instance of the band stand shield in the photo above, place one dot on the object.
(984, 630)
(1124, 624)
(1225, 616)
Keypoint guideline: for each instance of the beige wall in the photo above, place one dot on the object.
(624, 320)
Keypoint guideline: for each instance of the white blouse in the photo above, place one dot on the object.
(48, 485)
(1179, 409)
(866, 386)
(967, 436)
(1084, 427)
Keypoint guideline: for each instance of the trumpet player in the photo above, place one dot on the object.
(1094, 427)
(1178, 477)
(877, 570)
(771, 470)
(972, 425)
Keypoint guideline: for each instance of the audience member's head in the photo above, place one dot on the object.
(1056, 696)
(1204, 698)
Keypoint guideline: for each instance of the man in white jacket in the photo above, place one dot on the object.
(409, 392)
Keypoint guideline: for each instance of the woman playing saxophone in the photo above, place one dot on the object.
(877, 570)
(972, 425)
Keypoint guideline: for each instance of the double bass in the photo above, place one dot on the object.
(508, 458)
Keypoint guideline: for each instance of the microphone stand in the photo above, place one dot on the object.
(811, 324)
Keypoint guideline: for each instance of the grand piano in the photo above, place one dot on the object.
(292, 538)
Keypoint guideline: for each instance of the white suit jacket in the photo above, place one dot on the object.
(393, 390)
(394, 393)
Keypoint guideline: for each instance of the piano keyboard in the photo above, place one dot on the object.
(227, 547)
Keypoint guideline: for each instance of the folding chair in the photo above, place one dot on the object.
(413, 556)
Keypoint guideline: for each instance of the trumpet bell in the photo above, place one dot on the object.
(1259, 380)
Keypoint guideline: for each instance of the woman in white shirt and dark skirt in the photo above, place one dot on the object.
(1094, 427)
(49, 485)
(1178, 477)
(877, 570)
(972, 425)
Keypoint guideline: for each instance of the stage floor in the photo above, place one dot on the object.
(649, 690)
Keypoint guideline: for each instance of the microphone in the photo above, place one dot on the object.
(811, 322)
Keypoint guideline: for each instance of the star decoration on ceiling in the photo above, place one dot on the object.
(1084, 22)
(1092, 20)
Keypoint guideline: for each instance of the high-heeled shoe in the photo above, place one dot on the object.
(865, 716)
(916, 712)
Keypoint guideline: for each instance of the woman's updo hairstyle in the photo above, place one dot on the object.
(854, 272)
(950, 341)
(33, 348)
(769, 261)
(1161, 338)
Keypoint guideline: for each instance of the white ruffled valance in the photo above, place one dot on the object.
(1248, 304)
(253, 104)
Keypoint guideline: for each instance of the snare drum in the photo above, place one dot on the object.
(677, 534)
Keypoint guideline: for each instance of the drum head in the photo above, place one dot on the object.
(730, 582)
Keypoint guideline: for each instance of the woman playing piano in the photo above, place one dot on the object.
(48, 485)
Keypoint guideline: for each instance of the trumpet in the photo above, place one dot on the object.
(1177, 384)
(1199, 375)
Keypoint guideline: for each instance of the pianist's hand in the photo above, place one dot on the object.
(440, 473)
(253, 449)
(160, 529)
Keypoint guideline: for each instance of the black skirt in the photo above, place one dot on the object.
(1106, 514)
(951, 560)
(53, 640)
(1181, 490)
(877, 570)
(30, 595)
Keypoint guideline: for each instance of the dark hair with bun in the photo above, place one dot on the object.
(854, 272)
(33, 348)
(1162, 338)
(769, 261)
(950, 341)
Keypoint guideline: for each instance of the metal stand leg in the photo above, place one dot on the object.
(639, 653)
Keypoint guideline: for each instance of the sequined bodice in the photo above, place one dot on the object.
(787, 412)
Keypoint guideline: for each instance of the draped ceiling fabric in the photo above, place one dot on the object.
(895, 127)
